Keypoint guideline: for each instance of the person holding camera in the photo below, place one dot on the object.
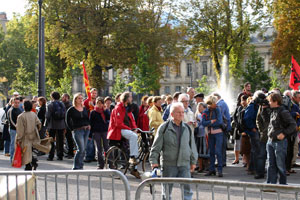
(251, 128)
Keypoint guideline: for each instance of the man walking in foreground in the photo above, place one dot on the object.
(179, 156)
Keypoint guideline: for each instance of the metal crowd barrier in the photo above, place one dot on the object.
(246, 188)
(63, 184)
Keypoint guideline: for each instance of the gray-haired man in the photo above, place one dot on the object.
(175, 142)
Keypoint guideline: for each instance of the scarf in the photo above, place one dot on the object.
(101, 111)
(159, 108)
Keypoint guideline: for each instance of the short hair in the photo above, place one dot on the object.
(55, 95)
(163, 97)
(144, 98)
(117, 96)
(295, 93)
(108, 98)
(176, 95)
(287, 93)
(66, 95)
(75, 97)
(149, 100)
(246, 84)
(211, 99)
(100, 99)
(258, 94)
(42, 100)
(188, 89)
(125, 96)
(169, 98)
(217, 95)
(244, 97)
(176, 105)
(15, 98)
(93, 89)
(184, 95)
(156, 99)
(275, 98)
(201, 104)
(27, 105)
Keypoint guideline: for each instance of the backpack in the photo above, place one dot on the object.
(287, 103)
(59, 111)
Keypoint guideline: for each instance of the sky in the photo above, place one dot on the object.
(11, 6)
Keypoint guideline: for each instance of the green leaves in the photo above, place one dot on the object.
(145, 75)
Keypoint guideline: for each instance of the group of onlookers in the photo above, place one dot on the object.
(191, 131)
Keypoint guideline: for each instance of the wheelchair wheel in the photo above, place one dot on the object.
(116, 159)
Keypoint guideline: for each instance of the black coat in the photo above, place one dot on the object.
(97, 123)
(281, 121)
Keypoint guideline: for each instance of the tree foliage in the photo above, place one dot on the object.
(287, 24)
(107, 32)
(254, 72)
(145, 75)
(23, 82)
(221, 27)
(119, 85)
(13, 51)
(203, 86)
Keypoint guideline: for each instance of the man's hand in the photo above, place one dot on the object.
(193, 168)
(254, 130)
(243, 133)
(280, 136)
(213, 121)
(154, 166)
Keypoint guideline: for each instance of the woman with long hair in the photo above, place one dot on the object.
(77, 120)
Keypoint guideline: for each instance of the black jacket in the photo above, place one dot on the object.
(281, 121)
(97, 123)
(262, 122)
(42, 114)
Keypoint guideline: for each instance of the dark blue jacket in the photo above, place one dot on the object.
(250, 118)
(216, 114)
(97, 123)
(295, 109)
(167, 113)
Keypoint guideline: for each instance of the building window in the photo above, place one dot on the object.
(204, 67)
(167, 90)
(178, 71)
(167, 71)
(189, 69)
(178, 89)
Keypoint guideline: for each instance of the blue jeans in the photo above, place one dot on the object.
(90, 150)
(215, 142)
(174, 171)
(254, 140)
(12, 134)
(261, 159)
(224, 148)
(6, 146)
(81, 138)
(277, 151)
(133, 145)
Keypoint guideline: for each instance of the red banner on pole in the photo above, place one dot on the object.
(86, 82)
(295, 75)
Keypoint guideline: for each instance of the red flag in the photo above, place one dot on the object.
(86, 82)
(295, 75)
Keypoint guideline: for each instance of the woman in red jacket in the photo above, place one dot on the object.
(143, 120)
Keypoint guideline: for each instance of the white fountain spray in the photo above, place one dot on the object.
(225, 89)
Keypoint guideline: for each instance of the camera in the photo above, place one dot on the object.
(261, 100)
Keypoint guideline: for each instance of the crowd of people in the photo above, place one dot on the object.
(191, 131)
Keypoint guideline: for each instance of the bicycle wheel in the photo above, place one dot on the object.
(146, 163)
(116, 159)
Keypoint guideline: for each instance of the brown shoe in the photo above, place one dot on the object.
(136, 174)
(7, 154)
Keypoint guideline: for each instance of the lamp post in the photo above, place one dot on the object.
(41, 82)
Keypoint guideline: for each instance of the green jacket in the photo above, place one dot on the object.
(165, 144)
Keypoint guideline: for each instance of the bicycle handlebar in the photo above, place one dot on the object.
(149, 132)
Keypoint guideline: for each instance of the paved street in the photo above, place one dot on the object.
(231, 173)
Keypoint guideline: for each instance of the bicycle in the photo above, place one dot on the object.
(117, 156)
